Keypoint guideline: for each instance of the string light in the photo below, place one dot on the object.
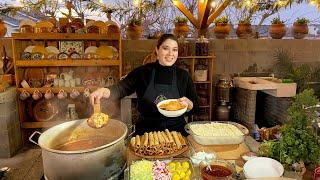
(175, 2)
(136, 3)
(213, 4)
(312, 2)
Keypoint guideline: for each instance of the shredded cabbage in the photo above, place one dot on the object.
(141, 170)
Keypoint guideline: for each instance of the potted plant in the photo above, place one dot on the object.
(298, 145)
(277, 29)
(222, 28)
(244, 29)
(300, 28)
(134, 29)
(3, 28)
(181, 27)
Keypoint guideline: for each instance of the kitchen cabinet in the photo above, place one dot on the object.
(35, 73)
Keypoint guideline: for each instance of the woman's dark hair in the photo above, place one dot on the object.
(164, 37)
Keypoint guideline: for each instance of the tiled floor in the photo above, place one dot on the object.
(26, 165)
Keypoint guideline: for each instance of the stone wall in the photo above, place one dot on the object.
(236, 55)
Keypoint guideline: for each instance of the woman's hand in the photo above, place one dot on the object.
(98, 94)
(186, 101)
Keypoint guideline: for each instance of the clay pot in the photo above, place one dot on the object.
(299, 31)
(221, 30)
(181, 29)
(134, 32)
(244, 31)
(3, 28)
(277, 31)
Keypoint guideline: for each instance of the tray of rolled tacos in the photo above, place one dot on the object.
(158, 144)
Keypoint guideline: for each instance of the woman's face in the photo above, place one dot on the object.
(167, 53)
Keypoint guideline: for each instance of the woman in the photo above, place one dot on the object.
(152, 83)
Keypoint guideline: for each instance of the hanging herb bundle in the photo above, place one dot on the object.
(298, 141)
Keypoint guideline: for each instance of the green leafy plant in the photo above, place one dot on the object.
(222, 20)
(277, 20)
(302, 21)
(134, 22)
(180, 19)
(298, 142)
(244, 21)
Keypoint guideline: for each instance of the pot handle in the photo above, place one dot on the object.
(133, 130)
(34, 133)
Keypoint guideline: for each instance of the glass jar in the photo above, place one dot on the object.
(202, 46)
(201, 72)
(183, 47)
(224, 88)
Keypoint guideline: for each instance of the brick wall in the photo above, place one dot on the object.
(271, 110)
(244, 107)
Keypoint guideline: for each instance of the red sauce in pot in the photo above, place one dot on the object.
(216, 171)
(82, 144)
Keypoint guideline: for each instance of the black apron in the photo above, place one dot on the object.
(150, 117)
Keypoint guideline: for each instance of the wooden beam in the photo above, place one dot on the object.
(206, 15)
(218, 11)
(186, 12)
(202, 4)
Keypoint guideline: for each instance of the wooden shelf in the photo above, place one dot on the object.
(206, 106)
(44, 124)
(195, 57)
(55, 89)
(63, 36)
(202, 82)
(43, 63)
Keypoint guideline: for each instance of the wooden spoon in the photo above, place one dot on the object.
(98, 119)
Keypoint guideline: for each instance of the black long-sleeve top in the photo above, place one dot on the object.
(138, 80)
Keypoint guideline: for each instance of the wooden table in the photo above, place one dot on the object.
(230, 152)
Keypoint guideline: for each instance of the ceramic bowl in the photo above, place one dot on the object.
(262, 167)
(170, 113)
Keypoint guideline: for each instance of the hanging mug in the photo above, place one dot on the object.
(74, 94)
(109, 81)
(24, 95)
(36, 94)
(49, 94)
(86, 92)
(62, 94)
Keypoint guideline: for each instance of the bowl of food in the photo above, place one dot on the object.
(217, 169)
(216, 132)
(200, 155)
(171, 108)
(262, 167)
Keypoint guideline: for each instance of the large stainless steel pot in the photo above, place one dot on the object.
(93, 163)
